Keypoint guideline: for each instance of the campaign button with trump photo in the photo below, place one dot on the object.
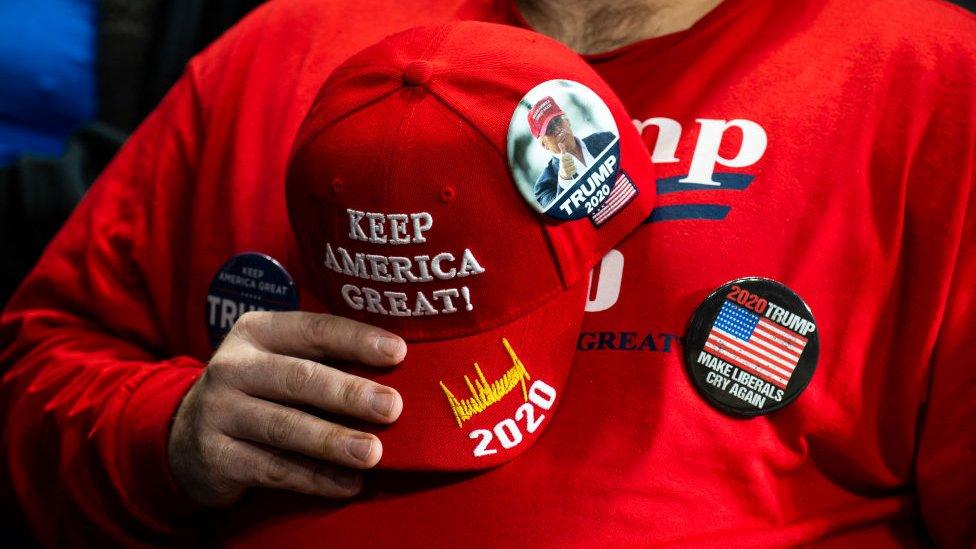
(564, 152)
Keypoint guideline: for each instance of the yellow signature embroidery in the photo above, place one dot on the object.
(483, 393)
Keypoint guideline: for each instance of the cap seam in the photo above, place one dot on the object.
(396, 148)
(387, 68)
(473, 126)
(315, 130)
(399, 144)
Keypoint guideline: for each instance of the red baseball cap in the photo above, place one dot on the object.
(541, 114)
(408, 217)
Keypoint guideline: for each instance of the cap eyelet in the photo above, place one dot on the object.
(448, 194)
(417, 73)
(337, 185)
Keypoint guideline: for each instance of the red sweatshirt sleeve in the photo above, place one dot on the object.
(88, 393)
(947, 449)
(946, 453)
(947, 446)
(106, 335)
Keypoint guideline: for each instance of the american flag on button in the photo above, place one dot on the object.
(754, 344)
(623, 192)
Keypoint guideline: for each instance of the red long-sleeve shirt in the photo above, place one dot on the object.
(828, 145)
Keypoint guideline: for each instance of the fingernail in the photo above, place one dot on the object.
(346, 481)
(381, 403)
(389, 346)
(360, 448)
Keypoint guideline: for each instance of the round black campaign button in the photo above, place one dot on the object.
(247, 282)
(751, 347)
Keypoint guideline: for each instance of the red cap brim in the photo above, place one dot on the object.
(500, 409)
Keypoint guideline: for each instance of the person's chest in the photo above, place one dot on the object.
(758, 175)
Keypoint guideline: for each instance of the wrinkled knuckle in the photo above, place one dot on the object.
(279, 427)
(317, 329)
(218, 458)
(276, 469)
(247, 323)
(298, 378)
(219, 370)
(330, 443)
(223, 377)
(244, 365)
(354, 393)
(209, 401)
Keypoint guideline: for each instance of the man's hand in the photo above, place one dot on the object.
(567, 166)
(238, 426)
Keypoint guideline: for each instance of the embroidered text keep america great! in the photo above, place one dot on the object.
(394, 229)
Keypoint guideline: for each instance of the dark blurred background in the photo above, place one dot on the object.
(76, 77)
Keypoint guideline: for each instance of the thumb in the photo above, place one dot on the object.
(562, 149)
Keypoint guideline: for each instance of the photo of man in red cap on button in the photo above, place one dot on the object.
(570, 154)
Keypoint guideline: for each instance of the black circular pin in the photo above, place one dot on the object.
(751, 347)
(247, 282)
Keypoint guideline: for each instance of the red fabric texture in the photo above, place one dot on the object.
(861, 202)
(89, 392)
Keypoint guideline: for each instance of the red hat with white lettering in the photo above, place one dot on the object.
(541, 114)
(421, 204)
